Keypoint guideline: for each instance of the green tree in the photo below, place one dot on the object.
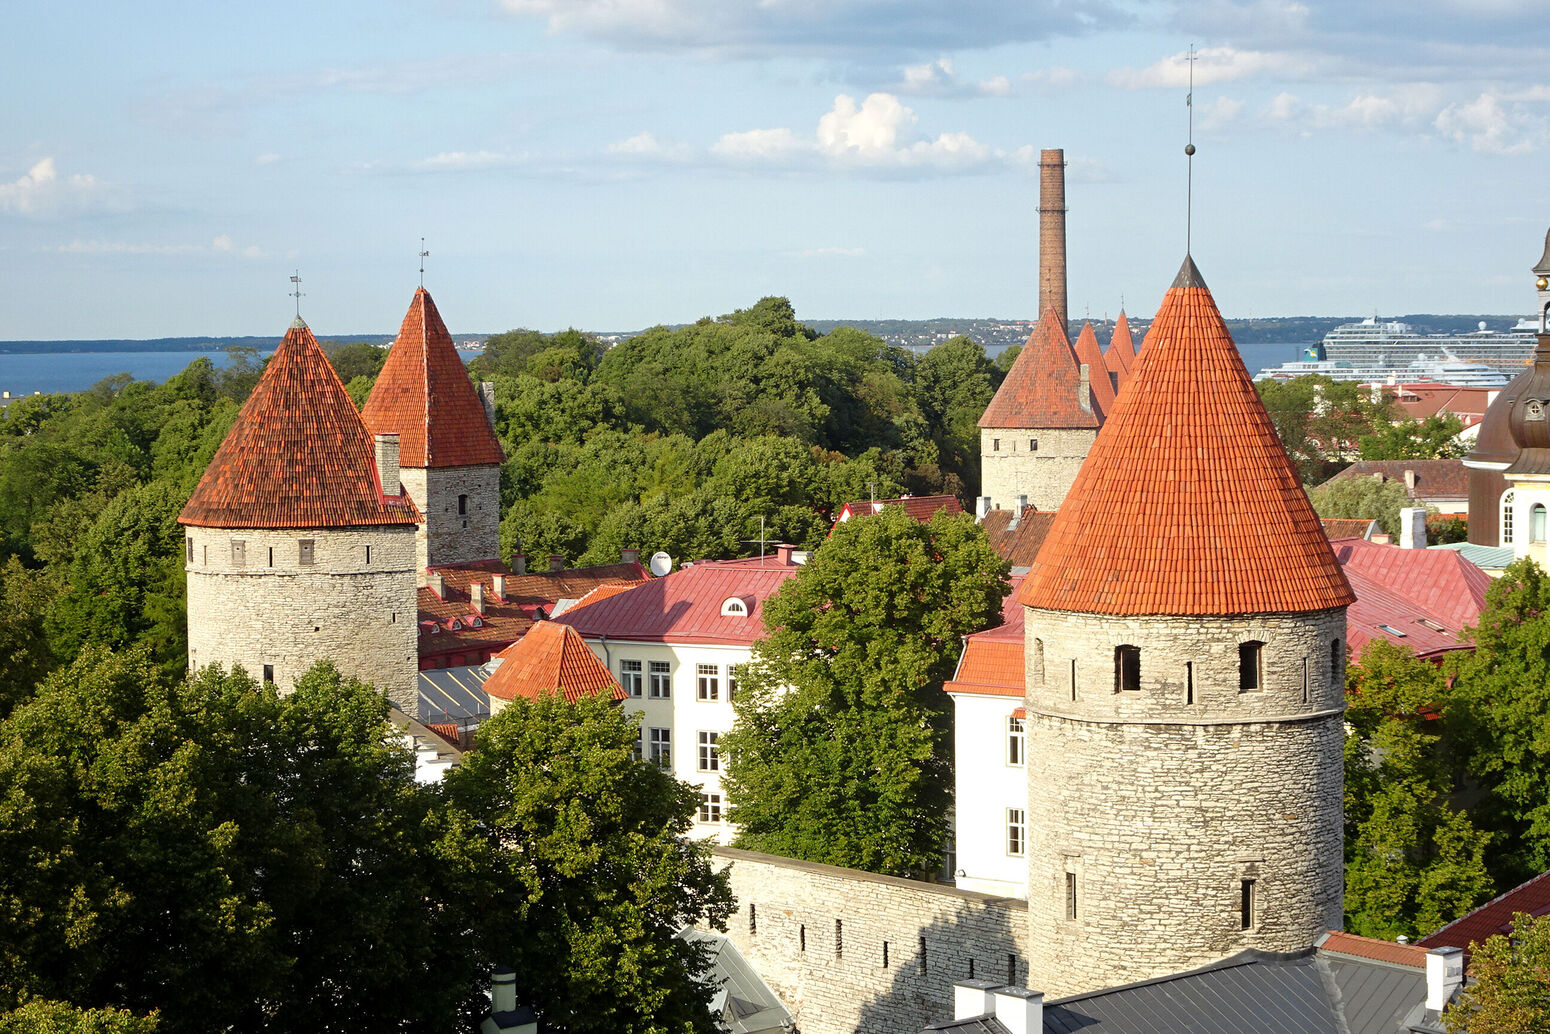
(1365, 497)
(357, 359)
(1509, 987)
(1413, 861)
(25, 656)
(953, 384)
(575, 860)
(1434, 438)
(839, 752)
(43, 1017)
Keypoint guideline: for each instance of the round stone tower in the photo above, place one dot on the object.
(1185, 666)
(299, 540)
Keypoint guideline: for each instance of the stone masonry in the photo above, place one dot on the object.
(1150, 808)
(446, 534)
(851, 951)
(258, 604)
(1010, 468)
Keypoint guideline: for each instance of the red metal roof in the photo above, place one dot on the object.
(551, 658)
(1495, 916)
(1439, 581)
(1040, 390)
(1089, 355)
(920, 507)
(298, 455)
(424, 395)
(685, 606)
(1342, 943)
(1187, 503)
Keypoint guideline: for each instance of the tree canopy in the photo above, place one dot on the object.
(1509, 986)
(1363, 497)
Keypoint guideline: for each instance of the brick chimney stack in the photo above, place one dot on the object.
(1052, 232)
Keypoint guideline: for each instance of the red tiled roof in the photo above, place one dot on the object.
(551, 658)
(1434, 479)
(298, 455)
(1187, 503)
(1495, 916)
(1343, 943)
(1121, 356)
(1041, 388)
(505, 618)
(1420, 401)
(1089, 354)
(920, 507)
(685, 606)
(425, 395)
(993, 663)
(1347, 527)
(1017, 543)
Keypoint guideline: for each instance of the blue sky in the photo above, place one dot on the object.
(610, 164)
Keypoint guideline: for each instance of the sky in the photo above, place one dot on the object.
(613, 164)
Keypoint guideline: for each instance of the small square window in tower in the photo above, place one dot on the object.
(239, 553)
(1251, 663)
(304, 550)
(1033, 445)
(1127, 669)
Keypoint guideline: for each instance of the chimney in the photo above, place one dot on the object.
(503, 992)
(487, 397)
(518, 564)
(1410, 483)
(1052, 233)
(783, 554)
(981, 507)
(1019, 1010)
(1084, 390)
(973, 998)
(1022, 504)
(629, 556)
(1412, 527)
(505, 1017)
(387, 463)
(476, 596)
(556, 562)
(1444, 975)
(438, 585)
(498, 585)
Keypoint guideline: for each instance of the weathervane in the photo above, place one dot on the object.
(295, 291)
(1189, 153)
(423, 256)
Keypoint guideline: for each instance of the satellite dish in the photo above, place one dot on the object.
(661, 563)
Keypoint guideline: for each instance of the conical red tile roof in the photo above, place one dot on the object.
(551, 658)
(1040, 390)
(1187, 503)
(298, 455)
(1089, 354)
(424, 394)
(1121, 356)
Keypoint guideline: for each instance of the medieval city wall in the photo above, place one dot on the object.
(447, 536)
(1043, 474)
(261, 605)
(851, 951)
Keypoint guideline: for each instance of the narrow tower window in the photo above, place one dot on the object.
(269, 673)
(190, 541)
(753, 919)
(1251, 666)
(922, 956)
(1071, 895)
(462, 505)
(1036, 661)
(1189, 682)
(1536, 523)
(1336, 676)
(885, 954)
(368, 554)
(1305, 680)
(1033, 445)
(1011, 969)
(995, 445)
(1073, 678)
(1246, 904)
(839, 939)
(802, 938)
(1127, 669)
(271, 556)
(1507, 500)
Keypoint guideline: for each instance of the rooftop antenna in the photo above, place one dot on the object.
(871, 487)
(1189, 153)
(295, 291)
(761, 540)
(423, 256)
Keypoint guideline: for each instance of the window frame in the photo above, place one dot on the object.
(710, 808)
(707, 682)
(709, 753)
(632, 680)
(1016, 842)
(1537, 519)
(1016, 742)
(1127, 668)
(659, 746)
(659, 680)
(1509, 499)
(1251, 666)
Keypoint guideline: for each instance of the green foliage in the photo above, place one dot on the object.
(1443, 529)
(839, 754)
(1321, 420)
(43, 1017)
(357, 359)
(576, 861)
(1509, 986)
(1413, 861)
(1365, 497)
(1434, 438)
(547, 357)
(25, 656)
(954, 382)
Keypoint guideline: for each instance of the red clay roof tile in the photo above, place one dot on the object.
(1089, 355)
(1017, 542)
(1342, 943)
(1495, 916)
(424, 394)
(1187, 503)
(551, 658)
(1041, 388)
(920, 507)
(1121, 356)
(298, 455)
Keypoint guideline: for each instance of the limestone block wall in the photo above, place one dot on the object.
(260, 605)
(1149, 808)
(1009, 467)
(850, 951)
(450, 535)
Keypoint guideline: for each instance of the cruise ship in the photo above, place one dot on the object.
(1395, 345)
(1444, 369)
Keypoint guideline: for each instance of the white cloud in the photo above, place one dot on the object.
(646, 146)
(754, 144)
(1212, 65)
(267, 158)
(462, 161)
(1056, 77)
(224, 244)
(1486, 126)
(938, 79)
(1218, 112)
(221, 245)
(42, 192)
(832, 253)
(996, 86)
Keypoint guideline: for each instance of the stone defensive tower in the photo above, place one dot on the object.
(299, 541)
(449, 456)
(1052, 233)
(1185, 682)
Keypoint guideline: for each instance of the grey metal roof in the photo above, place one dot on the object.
(745, 1003)
(1255, 993)
(973, 1025)
(447, 694)
(1489, 558)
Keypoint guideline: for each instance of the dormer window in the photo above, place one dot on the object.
(430, 627)
(474, 621)
(733, 607)
(454, 625)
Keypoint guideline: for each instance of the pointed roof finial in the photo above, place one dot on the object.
(423, 256)
(1189, 154)
(295, 292)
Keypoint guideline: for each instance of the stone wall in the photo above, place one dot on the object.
(868, 974)
(1044, 474)
(1154, 805)
(272, 609)
(448, 536)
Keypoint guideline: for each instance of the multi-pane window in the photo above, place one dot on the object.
(1536, 523)
(1014, 740)
(630, 677)
(1016, 832)
(709, 681)
(710, 759)
(1251, 666)
(660, 744)
(305, 548)
(1507, 501)
(732, 672)
(710, 807)
(661, 682)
